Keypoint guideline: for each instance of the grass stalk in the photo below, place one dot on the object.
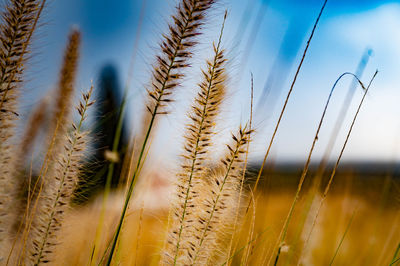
(288, 96)
(175, 53)
(57, 195)
(342, 238)
(282, 235)
(19, 23)
(66, 83)
(235, 224)
(220, 193)
(206, 108)
(337, 164)
(396, 257)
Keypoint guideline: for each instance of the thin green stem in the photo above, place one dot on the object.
(342, 239)
(396, 253)
(118, 132)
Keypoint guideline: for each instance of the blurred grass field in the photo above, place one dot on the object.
(371, 239)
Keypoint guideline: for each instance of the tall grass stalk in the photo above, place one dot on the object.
(235, 224)
(288, 96)
(205, 109)
(121, 116)
(249, 248)
(327, 188)
(339, 120)
(283, 233)
(58, 191)
(175, 52)
(66, 83)
(18, 24)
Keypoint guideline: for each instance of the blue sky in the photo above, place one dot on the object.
(277, 39)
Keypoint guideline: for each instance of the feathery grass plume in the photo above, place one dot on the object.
(58, 191)
(217, 194)
(189, 18)
(61, 115)
(66, 83)
(175, 51)
(33, 126)
(205, 109)
(18, 23)
(57, 128)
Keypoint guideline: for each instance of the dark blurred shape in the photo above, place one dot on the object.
(108, 106)
(109, 101)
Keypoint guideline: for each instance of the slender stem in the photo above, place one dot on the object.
(338, 161)
(244, 169)
(396, 253)
(342, 239)
(118, 132)
(243, 247)
(288, 95)
(154, 113)
(306, 166)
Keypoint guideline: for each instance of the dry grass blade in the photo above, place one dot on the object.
(244, 171)
(283, 233)
(337, 164)
(288, 95)
(249, 249)
(395, 255)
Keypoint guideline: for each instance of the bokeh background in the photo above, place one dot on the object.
(262, 37)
